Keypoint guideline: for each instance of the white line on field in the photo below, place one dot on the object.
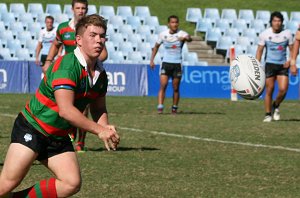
(211, 140)
(194, 137)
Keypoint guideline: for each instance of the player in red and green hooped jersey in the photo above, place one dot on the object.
(65, 35)
(41, 130)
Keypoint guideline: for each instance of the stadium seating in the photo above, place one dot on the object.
(229, 14)
(8, 19)
(5, 53)
(35, 9)
(251, 34)
(142, 12)
(34, 29)
(251, 49)
(107, 11)
(160, 28)
(41, 18)
(295, 16)
(293, 26)
(193, 15)
(151, 21)
(59, 18)
(92, 9)
(3, 8)
(213, 35)
(135, 57)
(222, 24)
(53, 9)
(18, 9)
(134, 21)
(117, 57)
(16, 27)
(285, 17)
(258, 25)
(124, 12)
(23, 54)
(144, 30)
(2, 26)
(243, 42)
(31, 46)
(26, 19)
(212, 14)
(145, 49)
(13, 45)
(263, 15)
(23, 37)
(247, 15)
(116, 21)
(126, 48)
(223, 44)
(68, 10)
(240, 25)
(232, 32)
(203, 25)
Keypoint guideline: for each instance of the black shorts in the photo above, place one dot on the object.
(272, 69)
(24, 133)
(171, 69)
(43, 59)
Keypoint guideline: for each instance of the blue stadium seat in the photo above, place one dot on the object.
(160, 28)
(247, 15)
(263, 15)
(14, 45)
(152, 39)
(3, 8)
(126, 48)
(224, 43)
(110, 46)
(23, 54)
(193, 15)
(212, 14)
(251, 49)
(233, 33)
(222, 24)
(17, 8)
(157, 59)
(135, 39)
(31, 46)
(240, 25)
(258, 25)
(152, 21)
(26, 19)
(124, 12)
(35, 9)
(107, 11)
(2, 26)
(110, 29)
(41, 18)
(243, 41)
(53, 9)
(185, 49)
(68, 10)
(135, 57)
(16, 27)
(191, 57)
(126, 29)
(145, 49)
(251, 34)
(5, 53)
(293, 26)
(285, 16)
(134, 21)
(229, 14)
(92, 9)
(6, 36)
(23, 37)
(213, 35)
(34, 29)
(144, 30)
(239, 50)
(117, 57)
(142, 12)
(116, 38)
(116, 21)
(203, 25)
(8, 19)
(295, 16)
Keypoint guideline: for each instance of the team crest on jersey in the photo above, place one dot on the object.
(270, 37)
(165, 37)
(27, 137)
(67, 35)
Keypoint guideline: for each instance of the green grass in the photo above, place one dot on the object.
(153, 165)
(165, 8)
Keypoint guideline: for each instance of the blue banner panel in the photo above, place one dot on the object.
(206, 82)
(13, 77)
(126, 80)
(35, 76)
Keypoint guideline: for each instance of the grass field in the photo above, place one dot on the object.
(180, 162)
(165, 8)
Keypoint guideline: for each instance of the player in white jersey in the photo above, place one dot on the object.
(276, 40)
(172, 40)
(46, 37)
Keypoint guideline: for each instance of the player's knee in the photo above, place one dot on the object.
(73, 186)
(7, 186)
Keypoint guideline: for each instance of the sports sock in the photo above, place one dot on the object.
(268, 114)
(160, 106)
(275, 105)
(45, 188)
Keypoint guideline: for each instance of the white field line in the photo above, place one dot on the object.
(195, 137)
(211, 140)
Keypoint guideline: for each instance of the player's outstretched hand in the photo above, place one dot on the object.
(152, 65)
(294, 70)
(110, 137)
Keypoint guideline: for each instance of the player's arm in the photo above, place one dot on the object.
(65, 100)
(186, 38)
(294, 54)
(154, 52)
(259, 52)
(37, 52)
(103, 55)
(287, 64)
(52, 53)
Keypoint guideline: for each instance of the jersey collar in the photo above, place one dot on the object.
(72, 23)
(98, 69)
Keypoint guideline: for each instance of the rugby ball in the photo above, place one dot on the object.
(247, 76)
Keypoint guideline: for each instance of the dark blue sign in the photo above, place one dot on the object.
(35, 76)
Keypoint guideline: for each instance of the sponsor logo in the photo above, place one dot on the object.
(234, 73)
(116, 81)
(3, 78)
(27, 137)
(67, 35)
(256, 68)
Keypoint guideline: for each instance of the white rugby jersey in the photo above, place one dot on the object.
(173, 47)
(46, 38)
(276, 45)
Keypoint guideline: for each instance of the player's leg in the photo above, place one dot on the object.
(268, 98)
(65, 167)
(80, 145)
(17, 163)
(176, 94)
(283, 83)
(162, 92)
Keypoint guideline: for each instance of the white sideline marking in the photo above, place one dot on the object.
(195, 137)
(211, 140)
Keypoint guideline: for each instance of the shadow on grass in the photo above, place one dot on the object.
(34, 164)
(126, 149)
(200, 113)
(290, 120)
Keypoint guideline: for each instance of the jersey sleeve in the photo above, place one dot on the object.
(261, 39)
(160, 38)
(40, 39)
(58, 35)
(290, 38)
(183, 34)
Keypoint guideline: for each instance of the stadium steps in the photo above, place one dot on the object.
(205, 52)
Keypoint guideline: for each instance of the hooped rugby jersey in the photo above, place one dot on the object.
(66, 34)
(276, 45)
(67, 72)
(46, 38)
(172, 46)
